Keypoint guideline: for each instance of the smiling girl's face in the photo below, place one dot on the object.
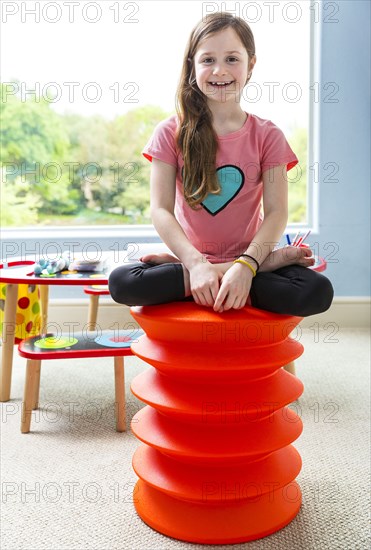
(222, 66)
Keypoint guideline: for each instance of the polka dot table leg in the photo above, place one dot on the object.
(217, 465)
(44, 298)
(8, 333)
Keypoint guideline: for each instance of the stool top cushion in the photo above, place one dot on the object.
(188, 322)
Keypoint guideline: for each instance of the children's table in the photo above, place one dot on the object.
(21, 272)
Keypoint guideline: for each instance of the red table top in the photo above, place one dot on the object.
(21, 272)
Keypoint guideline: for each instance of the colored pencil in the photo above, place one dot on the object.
(305, 236)
(295, 238)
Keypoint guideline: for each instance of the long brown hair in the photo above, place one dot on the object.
(196, 138)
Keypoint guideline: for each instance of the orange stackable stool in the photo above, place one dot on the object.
(217, 465)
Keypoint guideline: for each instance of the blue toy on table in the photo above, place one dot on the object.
(48, 268)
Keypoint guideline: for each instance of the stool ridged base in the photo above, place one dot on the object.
(217, 465)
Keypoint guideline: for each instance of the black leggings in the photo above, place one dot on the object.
(291, 290)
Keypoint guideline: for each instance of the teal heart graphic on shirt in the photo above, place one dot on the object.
(231, 179)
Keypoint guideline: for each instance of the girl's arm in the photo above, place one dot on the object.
(204, 279)
(275, 208)
(236, 283)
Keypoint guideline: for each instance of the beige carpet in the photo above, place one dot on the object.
(68, 484)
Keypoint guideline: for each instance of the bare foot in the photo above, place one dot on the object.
(288, 255)
(161, 258)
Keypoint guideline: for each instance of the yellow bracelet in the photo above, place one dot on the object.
(240, 261)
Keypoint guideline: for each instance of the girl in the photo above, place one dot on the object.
(212, 166)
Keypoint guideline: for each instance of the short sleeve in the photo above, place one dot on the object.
(162, 144)
(276, 150)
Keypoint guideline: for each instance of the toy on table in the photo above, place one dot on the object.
(48, 268)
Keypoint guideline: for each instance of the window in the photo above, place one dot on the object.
(85, 84)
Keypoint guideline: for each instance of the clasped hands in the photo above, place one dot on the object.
(220, 286)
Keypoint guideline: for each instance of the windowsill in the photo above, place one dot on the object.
(78, 230)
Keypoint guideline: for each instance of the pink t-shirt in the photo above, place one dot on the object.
(225, 224)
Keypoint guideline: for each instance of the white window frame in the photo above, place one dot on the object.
(313, 130)
(314, 126)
